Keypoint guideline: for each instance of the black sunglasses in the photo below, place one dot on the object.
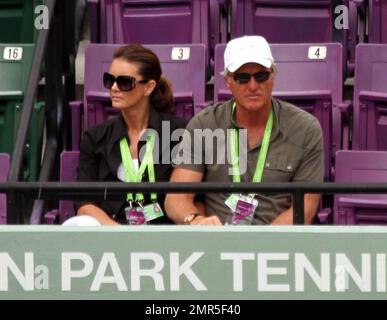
(243, 78)
(124, 83)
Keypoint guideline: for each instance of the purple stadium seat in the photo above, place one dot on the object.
(370, 98)
(360, 166)
(68, 172)
(300, 21)
(283, 21)
(187, 76)
(4, 168)
(150, 21)
(310, 83)
(377, 25)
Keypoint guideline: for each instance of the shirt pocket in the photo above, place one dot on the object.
(279, 168)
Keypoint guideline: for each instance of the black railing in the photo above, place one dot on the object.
(115, 190)
(54, 100)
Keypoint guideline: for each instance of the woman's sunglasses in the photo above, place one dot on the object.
(243, 78)
(124, 83)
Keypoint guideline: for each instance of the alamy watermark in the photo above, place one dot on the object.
(42, 19)
(196, 147)
(342, 18)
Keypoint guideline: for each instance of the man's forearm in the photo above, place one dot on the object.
(311, 202)
(179, 206)
(285, 218)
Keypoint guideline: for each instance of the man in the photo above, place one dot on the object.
(283, 143)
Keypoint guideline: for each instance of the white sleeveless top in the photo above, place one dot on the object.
(121, 173)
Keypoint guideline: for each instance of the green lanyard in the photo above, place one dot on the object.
(262, 154)
(130, 171)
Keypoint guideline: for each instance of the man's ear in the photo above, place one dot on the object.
(227, 80)
(149, 87)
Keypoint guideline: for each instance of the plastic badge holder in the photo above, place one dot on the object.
(244, 211)
(134, 216)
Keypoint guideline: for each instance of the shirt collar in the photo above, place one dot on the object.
(276, 124)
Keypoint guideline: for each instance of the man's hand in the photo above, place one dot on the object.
(207, 221)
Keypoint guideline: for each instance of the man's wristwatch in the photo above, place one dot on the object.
(188, 219)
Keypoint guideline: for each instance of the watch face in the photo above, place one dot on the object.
(187, 219)
(190, 218)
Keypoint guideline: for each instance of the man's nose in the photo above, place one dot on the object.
(253, 84)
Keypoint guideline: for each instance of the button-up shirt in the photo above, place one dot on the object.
(295, 154)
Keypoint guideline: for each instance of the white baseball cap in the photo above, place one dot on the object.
(247, 49)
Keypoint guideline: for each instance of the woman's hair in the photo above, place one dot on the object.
(150, 69)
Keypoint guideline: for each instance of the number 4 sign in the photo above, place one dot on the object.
(319, 53)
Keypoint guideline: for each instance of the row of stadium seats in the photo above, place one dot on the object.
(210, 22)
(213, 21)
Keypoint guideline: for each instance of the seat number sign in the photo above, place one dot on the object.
(180, 53)
(319, 53)
(13, 53)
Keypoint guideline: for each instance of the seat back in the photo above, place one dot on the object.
(183, 66)
(360, 166)
(17, 21)
(152, 21)
(377, 26)
(370, 98)
(69, 161)
(15, 64)
(4, 168)
(309, 21)
(310, 76)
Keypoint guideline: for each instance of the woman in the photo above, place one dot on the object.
(129, 146)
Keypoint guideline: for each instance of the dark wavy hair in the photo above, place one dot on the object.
(149, 67)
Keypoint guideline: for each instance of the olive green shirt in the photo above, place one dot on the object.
(295, 154)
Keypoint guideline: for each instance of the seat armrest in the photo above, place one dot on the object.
(50, 216)
(324, 215)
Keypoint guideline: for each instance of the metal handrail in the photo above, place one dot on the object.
(115, 190)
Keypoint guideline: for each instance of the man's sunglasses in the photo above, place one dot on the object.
(243, 78)
(124, 83)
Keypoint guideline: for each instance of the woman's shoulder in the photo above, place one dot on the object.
(100, 130)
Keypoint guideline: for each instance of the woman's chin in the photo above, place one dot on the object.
(118, 106)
